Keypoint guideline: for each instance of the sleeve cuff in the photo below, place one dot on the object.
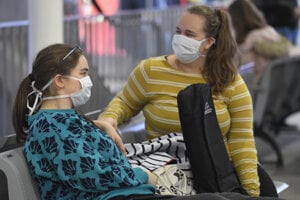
(141, 175)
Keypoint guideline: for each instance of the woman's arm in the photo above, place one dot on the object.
(79, 164)
(81, 156)
(131, 99)
(241, 142)
(109, 125)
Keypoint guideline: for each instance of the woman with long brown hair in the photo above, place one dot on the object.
(204, 51)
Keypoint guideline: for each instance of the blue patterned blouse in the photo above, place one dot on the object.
(72, 159)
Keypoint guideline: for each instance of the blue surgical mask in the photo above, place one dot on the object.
(186, 49)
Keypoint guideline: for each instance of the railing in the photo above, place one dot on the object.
(113, 45)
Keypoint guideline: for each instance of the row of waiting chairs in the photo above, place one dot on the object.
(276, 97)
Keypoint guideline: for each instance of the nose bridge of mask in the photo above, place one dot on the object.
(84, 82)
(196, 44)
(189, 42)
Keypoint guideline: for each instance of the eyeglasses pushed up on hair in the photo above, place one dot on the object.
(72, 51)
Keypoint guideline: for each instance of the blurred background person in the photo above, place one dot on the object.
(258, 42)
(283, 15)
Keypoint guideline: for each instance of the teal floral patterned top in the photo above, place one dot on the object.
(72, 159)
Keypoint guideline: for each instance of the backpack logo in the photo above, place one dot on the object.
(207, 108)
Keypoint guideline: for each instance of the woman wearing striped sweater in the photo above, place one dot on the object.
(204, 49)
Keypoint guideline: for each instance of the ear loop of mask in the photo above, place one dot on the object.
(204, 55)
(63, 95)
(38, 98)
(199, 53)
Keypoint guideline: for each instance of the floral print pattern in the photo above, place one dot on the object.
(72, 159)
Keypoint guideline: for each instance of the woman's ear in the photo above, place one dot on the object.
(210, 42)
(58, 81)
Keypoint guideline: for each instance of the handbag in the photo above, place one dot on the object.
(173, 181)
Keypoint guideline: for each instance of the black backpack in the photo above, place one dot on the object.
(210, 164)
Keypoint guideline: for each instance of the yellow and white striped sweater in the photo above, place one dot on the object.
(153, 87)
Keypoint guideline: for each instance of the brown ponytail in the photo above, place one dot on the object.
(219, 69)
(20, 110)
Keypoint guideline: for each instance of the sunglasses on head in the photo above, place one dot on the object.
(72, 51)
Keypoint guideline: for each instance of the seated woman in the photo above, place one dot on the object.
(68, 156)
(258, 42)
(203, 52)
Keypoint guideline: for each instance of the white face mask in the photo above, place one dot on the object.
(186, 49)
(82, 96)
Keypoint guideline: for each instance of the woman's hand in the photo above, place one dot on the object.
(109, 125)
(152, 178)
(109, 120)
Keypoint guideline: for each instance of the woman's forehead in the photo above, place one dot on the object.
(191, 22)
(82, 65)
